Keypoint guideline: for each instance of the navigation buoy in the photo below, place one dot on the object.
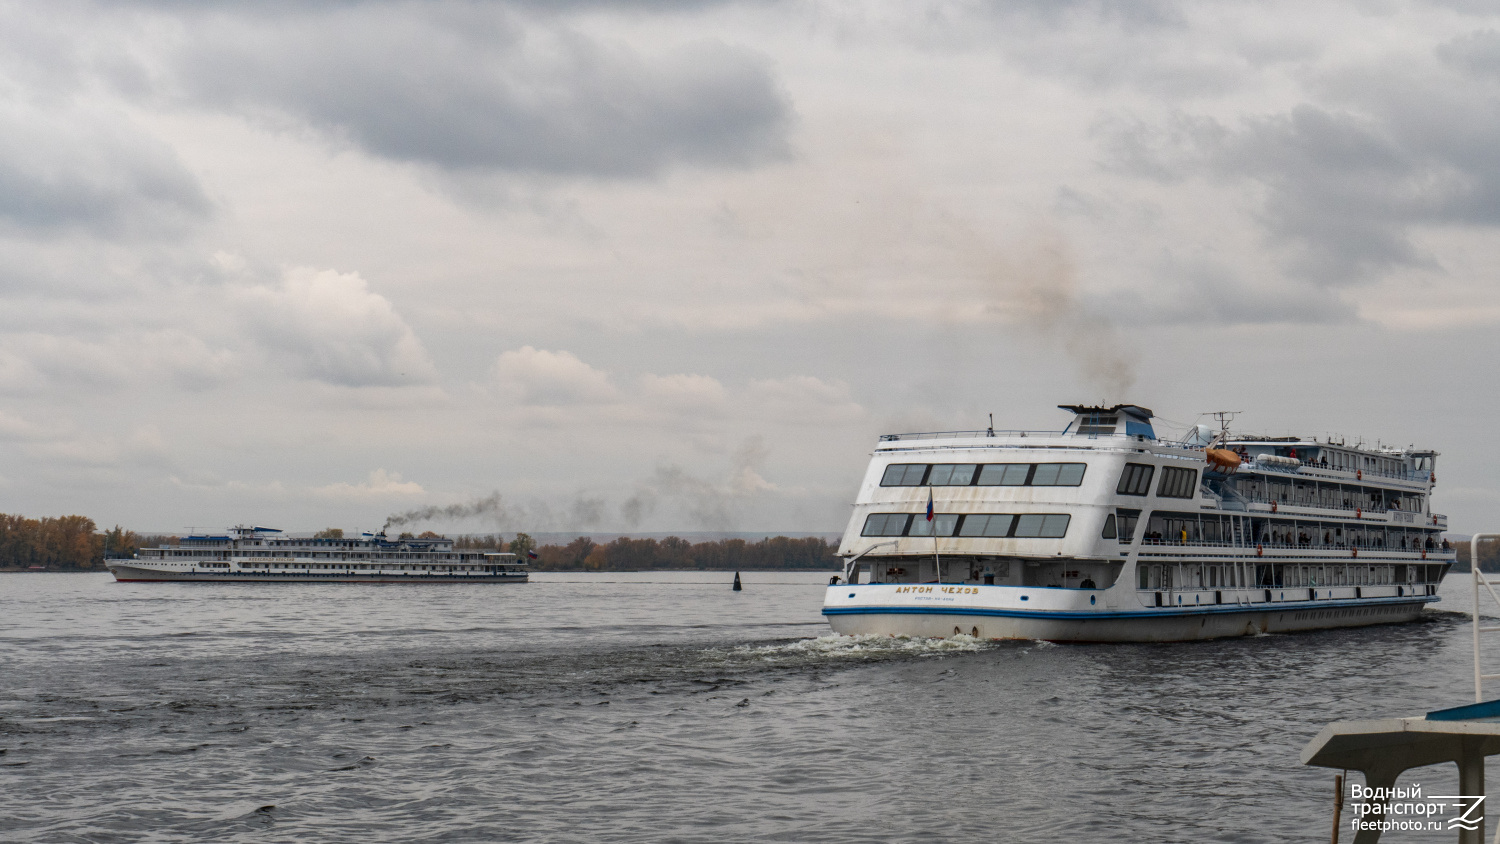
(736, 581)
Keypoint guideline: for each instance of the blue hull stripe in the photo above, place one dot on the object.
(1164, 612)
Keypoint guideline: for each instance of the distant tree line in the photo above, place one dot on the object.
(626, 554)
(53, 542)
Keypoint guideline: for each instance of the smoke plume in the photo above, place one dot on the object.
(1037, 287)
(490, 506)
(579, 513)
(709, 505)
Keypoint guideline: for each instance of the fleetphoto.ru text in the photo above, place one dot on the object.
(1404, 809)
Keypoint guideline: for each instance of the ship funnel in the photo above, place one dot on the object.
(1129, 419)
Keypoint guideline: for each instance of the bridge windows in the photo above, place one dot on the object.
(1136, 480)
(983, 474)
(904, 474)
(1004, 474)
(951, 474)
(1178, 483)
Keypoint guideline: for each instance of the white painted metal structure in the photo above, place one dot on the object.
(1489, 585)
(1103, 532)
(255, 554)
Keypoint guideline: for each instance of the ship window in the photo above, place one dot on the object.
(904, 474)
(1070, 474)
(1036, 524)
(980, 524)
(1058, 474)
(1126, 523)
(942, 524)
(1004, 474)
(1177, 483)
(1109, 527)
(885, 524)
(1136, 480)
(952, 474)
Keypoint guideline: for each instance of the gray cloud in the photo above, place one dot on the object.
(1201, 292)
(331, 327)
(90, 169)
(480, 89)
(1343, 188)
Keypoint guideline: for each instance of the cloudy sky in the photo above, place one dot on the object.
(674, 266)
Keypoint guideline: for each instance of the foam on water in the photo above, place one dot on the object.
(865, 647)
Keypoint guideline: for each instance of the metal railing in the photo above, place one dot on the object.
(1306, 546)
(958, 435)
(1356, 474)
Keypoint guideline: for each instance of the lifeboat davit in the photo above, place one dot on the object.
(1223, 459)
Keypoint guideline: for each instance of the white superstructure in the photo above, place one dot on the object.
(264, 554)
(1103, 532)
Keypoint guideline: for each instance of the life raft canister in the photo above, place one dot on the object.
(1223, 459)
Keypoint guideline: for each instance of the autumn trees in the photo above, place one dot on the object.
(62, 541)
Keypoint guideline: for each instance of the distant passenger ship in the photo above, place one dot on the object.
(1103, 532)
(264, 555)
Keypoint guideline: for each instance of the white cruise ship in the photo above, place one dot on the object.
(266, 555)
(1103, 532)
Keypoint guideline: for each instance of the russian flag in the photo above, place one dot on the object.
(929, 504)
(532, 554)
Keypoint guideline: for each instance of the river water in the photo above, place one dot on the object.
(658, 707)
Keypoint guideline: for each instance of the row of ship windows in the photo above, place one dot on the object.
(1233, 576)
(326, 555)
(1136, 480)
(1029, 525)
(983, 474)
(1210, 529)
(1162, 528)
(357, 566)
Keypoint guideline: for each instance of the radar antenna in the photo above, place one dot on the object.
(1224, 417)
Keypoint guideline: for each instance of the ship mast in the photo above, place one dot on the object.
(1223, 417)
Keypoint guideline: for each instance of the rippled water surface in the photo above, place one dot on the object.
(657, 707)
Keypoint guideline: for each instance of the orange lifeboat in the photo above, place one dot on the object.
(1223, 459)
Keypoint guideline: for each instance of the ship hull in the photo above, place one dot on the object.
(139, 574)
(904, 618)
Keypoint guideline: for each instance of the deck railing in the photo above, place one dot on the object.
(1313, 546)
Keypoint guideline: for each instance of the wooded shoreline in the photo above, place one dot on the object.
(74, 543)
